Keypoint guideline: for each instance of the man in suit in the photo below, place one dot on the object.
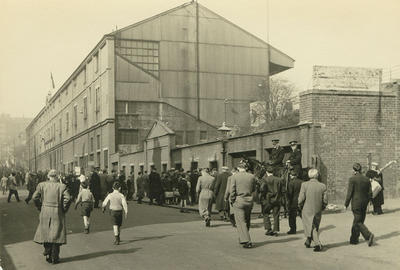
(293, 196)
(243, 184)
(270, 196)
(295, 158)
(276, 157)
(155, 186)
(359, 193)
(312, 200)
(219, 192)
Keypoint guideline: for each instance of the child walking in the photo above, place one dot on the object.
(117, 206)
(86, 199)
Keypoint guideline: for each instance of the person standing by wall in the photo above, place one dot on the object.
(293, 196)
(140, 188)
(53, 200)
(155, 187)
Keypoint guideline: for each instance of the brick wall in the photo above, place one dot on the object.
(347, 126)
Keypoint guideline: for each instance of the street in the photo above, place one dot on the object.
(156, 237)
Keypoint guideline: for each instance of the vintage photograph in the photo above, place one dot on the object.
(199, 134)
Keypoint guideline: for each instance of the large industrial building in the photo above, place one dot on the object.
(186, 70)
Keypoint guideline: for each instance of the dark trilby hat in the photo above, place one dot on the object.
(275, 140)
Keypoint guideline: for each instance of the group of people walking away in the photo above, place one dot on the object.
(282, 187)
(275, 186)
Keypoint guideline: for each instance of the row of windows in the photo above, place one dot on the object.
(138, 44)
(138, 52)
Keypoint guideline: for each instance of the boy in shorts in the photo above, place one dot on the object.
(117, 206)
(86, 199)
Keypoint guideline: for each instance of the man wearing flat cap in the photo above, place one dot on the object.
(295, 157)
(276, 158)
(219, 192)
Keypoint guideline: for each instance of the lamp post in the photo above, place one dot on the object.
(224, 130)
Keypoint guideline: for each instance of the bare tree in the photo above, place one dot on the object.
(275, 108)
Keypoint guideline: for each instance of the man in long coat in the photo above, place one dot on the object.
(379, 200)
(219, 192)
(205, 191)
(53, 200)
(95, 187)
(312, 200)
(359, 193)
(140, 187)
(155, 186)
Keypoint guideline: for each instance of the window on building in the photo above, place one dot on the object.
(128, 136)
(84, 75)
(141, 168)
(178, 137)
(60, 130)
(105, 159)
(203, 135)
(121, 107)
(190, 139)
(67, 121)
(98, 159)
(91, 144)
(75, 118)
(143, 53)
(213, 165)
(98, 141)
(132, 170)
(97, 99)
(178, 166)
(164, 167)
(85, 109)
(96, 62)
(194, 165)
(91, 157)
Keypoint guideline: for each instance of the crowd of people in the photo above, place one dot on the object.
(278, 186)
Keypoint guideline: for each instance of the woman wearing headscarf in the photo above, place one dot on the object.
(205, 187)
(52, 199)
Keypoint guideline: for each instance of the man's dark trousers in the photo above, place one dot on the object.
(358, 226)
(275, 213)
(11, 192)
(292, 218)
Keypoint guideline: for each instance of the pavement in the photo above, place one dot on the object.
(156, 237)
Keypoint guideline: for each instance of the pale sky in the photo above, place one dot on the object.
(43, 36)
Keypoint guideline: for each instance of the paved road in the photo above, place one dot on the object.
(162, 238)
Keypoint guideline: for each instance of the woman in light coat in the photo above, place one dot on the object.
(312, 200)
(205, 186)
(53, 200)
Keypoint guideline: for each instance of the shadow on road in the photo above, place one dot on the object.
(98, 254)
(346, 243)
(124, 242)
(282, 240)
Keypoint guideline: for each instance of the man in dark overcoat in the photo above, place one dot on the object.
(295, 158)
(155, 186)
(219, 192)
(359, 193)
(292, 197)
(276, 158)
(95, 187)
(270, 196)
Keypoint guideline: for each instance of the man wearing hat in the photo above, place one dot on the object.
(292, 197)
(378, 201)
(276, 157)
(52, 199)
(295, 157)
(219, 192)
(271, 196)
(243, 184)
(359, 193)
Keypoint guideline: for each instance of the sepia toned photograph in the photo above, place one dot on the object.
(199, 134)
